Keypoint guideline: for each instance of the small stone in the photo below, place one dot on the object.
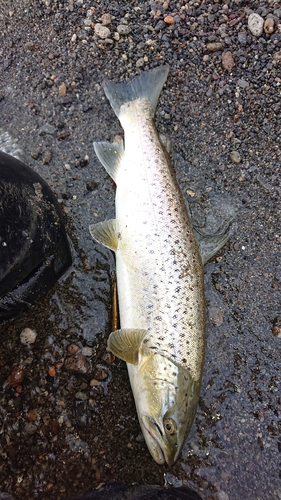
(109, 358)
(102, 31)
(35, 153)
(33, 415)
(255, 24)
(62, 90)
(169, 20)
(227, 60)
(81, 395)
(269, 26)
(16, 376)
(190, 193)
(123, 29)
(243, 83)
(276, 59)
(106, 19)
(54, 427)
(216, 316)
(87, 351)
(77, 363)
(101, 372)
(92, 185)
(276, 330)
(94, 382)
(73, 349)
(140, 62)
(30, 428)
(28, 336)
(47, 157)
(242, 38)
(235, 156)
(214, 46)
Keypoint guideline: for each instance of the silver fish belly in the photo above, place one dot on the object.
(159, 272)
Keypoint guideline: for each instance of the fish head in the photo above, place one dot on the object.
(166, 397)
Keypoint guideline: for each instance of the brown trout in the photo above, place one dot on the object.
(159, 271)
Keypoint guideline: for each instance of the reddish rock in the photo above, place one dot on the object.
(77, 363)
(227, 60)
(16, 376)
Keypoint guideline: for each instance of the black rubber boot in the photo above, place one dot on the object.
(34, 251)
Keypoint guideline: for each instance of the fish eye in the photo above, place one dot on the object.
(169, 426)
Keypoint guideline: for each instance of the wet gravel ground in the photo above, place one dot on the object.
(67, 416)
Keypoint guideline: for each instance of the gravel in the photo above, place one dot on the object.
(68, 421)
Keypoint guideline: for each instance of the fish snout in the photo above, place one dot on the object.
(161, 450)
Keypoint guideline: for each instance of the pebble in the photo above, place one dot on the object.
(235, 157)
(35, 153)
(87, 351)
(242, 37)
(77, 363)
(169, 20)
(16, 376)
(243, 83)
(106, 19)
(30, 428)
(62, 90)
(101, 372)
(140, 62)
(276, 59)
(216, 316)
(123, 29)
(28, 336)
(54, 427)
(94, 382)
(269, 26)
(81, 395)
(102, 31)
(227, 60)
(73, 349)
(255, 24)
(214, 46)
(47, 157)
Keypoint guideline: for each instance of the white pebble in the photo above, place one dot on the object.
(255, 24)
(102, 31)
(87, 351)
(28, 336)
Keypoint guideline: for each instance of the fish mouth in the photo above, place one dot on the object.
(154, 440)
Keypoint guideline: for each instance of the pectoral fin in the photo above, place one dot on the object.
(106, 233)
(126, 343)
(110, 155)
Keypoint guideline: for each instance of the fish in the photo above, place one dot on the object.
(159, 267)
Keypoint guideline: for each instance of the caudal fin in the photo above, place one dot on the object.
(146, 85)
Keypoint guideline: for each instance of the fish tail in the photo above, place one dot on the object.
(146, 85)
